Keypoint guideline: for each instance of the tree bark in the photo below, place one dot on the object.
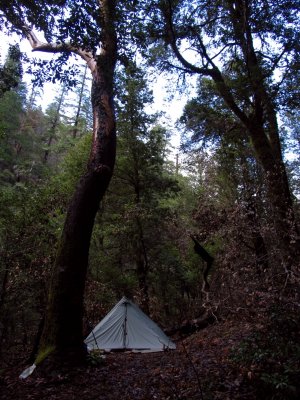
(206, 258)
(62, 335)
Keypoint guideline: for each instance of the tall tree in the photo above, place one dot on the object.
(241, 45)
(68, 30)
(11, 72)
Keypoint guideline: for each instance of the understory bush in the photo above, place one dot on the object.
(270, 357)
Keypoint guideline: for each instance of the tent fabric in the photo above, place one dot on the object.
(127, 327)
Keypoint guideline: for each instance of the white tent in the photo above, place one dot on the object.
(127, 327)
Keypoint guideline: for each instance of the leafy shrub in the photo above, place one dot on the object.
(96, 358)
(271, 356)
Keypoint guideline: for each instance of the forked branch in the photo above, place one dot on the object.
(46, 47)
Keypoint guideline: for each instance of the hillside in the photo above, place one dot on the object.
(199, 369)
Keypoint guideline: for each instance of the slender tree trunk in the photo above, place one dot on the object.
(75, 128)
(54, 125)
(251, 199)
(259, 246)
(63, 333)
(142, 268)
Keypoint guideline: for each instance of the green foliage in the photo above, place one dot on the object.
(74, 164)
(21, 138)
(96, 358)
(11, 72)
(272, 355)
(32, 211)
(10, 120)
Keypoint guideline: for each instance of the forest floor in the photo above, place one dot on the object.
(200, 368)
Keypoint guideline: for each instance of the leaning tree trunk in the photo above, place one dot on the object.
(62, 334)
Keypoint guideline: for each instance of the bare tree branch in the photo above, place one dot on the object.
(38, 45)
(213, 72)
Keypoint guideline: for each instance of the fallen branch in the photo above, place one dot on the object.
(194, 325)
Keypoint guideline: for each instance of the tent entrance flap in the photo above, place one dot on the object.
(127, 327)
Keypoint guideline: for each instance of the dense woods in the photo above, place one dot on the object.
(95, 203)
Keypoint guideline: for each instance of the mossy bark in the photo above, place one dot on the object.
(62, 336)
